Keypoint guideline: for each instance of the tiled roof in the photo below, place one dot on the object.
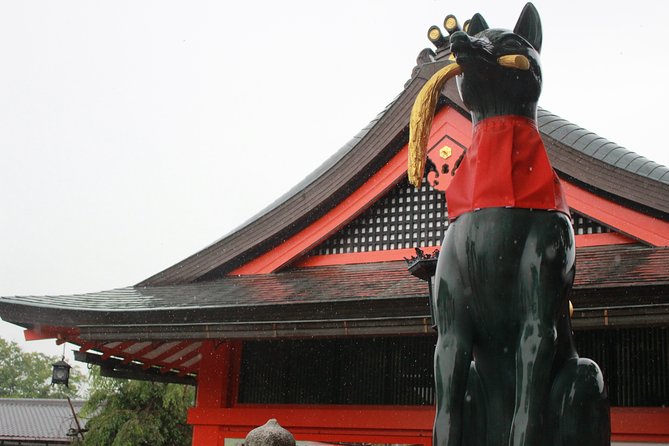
(621, 266)
(37, 419)
(306, 293)
(600, 148)
(304, 285)
(600, 266)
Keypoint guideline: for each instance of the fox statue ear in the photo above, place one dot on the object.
(529, 26)
(477, 24)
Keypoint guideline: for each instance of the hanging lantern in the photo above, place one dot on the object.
(60, 373)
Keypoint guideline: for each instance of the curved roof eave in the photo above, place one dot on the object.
(309, 294)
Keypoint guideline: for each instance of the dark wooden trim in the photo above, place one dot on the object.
(627, 316)
(413, 325)
(115, 368)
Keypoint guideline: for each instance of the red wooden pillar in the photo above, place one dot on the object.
(216, 386)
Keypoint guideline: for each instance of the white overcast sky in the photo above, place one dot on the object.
(134, 133)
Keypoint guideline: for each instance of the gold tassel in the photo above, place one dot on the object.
(422, 112)
(420, 122)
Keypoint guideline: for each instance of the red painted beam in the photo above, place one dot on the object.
(395, 418)
(376, 424)
(139, 353)
(181, 360)
(185, 358)
(116, 351)
(609, 238)
(349, 424)
(647, 424)
(41, 332)
(148, 363)
(637, 225)
(400, 254)
(363, 257)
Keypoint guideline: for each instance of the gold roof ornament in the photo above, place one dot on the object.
(436, 37)
(451, 24)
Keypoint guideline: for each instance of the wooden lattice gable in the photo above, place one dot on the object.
(407, 218)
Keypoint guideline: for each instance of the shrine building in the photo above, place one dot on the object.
(316, 312)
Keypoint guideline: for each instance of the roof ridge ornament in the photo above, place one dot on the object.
(451, 25)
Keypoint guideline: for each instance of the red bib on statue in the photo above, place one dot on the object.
(506, 166)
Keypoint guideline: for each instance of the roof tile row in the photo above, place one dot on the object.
(601, 266)
(24, 419)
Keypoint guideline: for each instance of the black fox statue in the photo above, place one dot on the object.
(506, 369)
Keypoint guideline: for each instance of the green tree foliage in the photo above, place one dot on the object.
(137, 413)
(28, 375)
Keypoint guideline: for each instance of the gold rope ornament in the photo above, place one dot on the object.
(420, 123)
(422, 113)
